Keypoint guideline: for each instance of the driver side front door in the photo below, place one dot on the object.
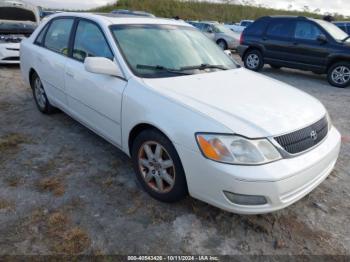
(94, 99)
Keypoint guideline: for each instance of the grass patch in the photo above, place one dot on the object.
(74, 241)
(59, 234)
(12, 141)
(52, 184)
(13, 181)
(5, 205)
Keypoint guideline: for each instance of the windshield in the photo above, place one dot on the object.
(333, 30)
(165, 50)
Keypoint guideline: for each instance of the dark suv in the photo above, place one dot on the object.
(298, 42)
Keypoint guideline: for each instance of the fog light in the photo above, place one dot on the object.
(247, 200)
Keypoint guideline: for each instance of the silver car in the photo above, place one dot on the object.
(223, 36)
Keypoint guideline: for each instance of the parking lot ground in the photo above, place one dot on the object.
(65, 190)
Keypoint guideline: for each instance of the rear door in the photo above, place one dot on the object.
(278, 40)
(51, 58)
(308, 50)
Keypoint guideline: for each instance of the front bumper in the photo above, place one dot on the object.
(282, 182)
(9, 53)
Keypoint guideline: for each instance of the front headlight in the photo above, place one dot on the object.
(237, 150)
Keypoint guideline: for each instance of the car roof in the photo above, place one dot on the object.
(111, 19)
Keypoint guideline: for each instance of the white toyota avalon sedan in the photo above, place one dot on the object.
(192, 120)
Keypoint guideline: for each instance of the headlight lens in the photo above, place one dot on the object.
(238, 150)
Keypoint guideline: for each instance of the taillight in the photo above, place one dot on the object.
(241, 39)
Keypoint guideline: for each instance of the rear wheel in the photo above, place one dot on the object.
(253, 60)
(41, 100)
(339, 74)
(158, 166)
(222, 43)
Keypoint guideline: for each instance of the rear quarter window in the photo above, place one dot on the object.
(281, 28)
(257, 28)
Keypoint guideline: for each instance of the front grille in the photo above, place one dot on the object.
(303, 139)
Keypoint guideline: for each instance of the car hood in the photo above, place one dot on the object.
(246, 102)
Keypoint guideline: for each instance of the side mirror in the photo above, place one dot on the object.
(322, 38)
(210, 30)
(103, 66)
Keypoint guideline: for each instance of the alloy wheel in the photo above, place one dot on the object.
(341, 75)
(39, 93)
(156, 166)
(253, 61)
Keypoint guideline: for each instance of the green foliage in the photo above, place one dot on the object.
(199, 10)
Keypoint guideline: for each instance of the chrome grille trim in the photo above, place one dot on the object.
(299, 141)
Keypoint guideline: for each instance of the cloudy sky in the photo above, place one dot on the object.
(340, 6)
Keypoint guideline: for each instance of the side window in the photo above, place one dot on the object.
(257, 28)
(342, 27)
(90, 42)
(199, 26)
(306, 31)
(280, 28)
(57, 36)
(40, 38)
(206, 28)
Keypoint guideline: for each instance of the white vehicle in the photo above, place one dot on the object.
(239, 28)
(17, 21)
(217, 32)
(189, 117)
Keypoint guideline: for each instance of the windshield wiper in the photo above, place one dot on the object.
(203, 67)
(346, 38)
(162, 68)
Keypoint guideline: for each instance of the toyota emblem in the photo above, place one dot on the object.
(313, 135)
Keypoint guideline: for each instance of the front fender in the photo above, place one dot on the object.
(144, 105)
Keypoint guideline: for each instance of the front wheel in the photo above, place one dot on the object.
(339, 74)
(253, 60)
(158, 166)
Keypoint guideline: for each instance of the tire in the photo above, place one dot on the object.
(222, 43)
(275, 67)
(150, 164)
(339, 74)
(253, 60)
(40, 98)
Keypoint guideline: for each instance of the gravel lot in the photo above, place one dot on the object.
(65, 190)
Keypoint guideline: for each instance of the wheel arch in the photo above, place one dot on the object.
(137, 129)
(32, 71)
(336, 59)
(221, 39)
(253, 47)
